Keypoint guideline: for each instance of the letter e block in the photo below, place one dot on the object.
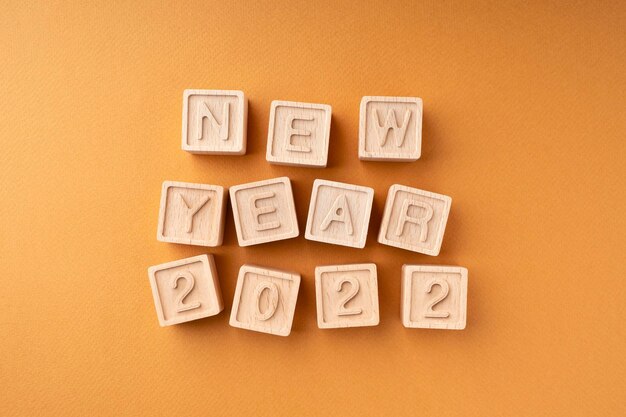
(298, 134)
(414, 219)
(346, 296)
(390, 129)
(339, 213)
(265, 300)
(185, 290)
(434, 297)
(264, 211)
(215, 122)
(192, 214)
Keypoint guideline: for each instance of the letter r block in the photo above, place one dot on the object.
(214, 122)
(414, 219)
(264, 211)
(192, 214)
(298, 134)
(390, 129)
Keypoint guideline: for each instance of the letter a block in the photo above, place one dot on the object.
(192, 214)
(298, 134)
(265, 300)
(346, 296)
(390, 129)
(214, 122)
(185, 290)
(434, 297)
(339, 213)
(414, 219)
(264, 211)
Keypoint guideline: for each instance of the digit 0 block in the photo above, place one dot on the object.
(346, 296)
(185, 290)
(400, 115)
(298, 134)
(215, 122)
(265, 300)
(414, 219)
(264, 211)
(339, 213)
(434, 297)
(192, 214)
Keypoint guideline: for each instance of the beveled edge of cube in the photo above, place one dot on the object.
(221, 192)
(318, 163)
(295, 232)
(272, 272)
(368, 212)
(407, 274)
(391, 196)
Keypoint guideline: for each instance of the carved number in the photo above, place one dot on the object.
(272, 300)
(180, 305)
(442, 296)
(354, 290)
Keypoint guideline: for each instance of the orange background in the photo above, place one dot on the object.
(524, 123)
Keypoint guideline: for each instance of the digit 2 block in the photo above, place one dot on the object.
(214, 122)
(414, 219)
(185, 290)
(265, 300)
(346, 296)
(434, 297)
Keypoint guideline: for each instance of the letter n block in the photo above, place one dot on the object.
(192, 214)
(390, 129)
(214, 122)
(185, 290)
(264, 211)
(414, 219)
(265, 300)
(339, 213)
(434, 297)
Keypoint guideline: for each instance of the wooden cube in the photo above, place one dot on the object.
(346, 296)
(414, 219)
(339, 213)
(298, 134)
(390, 129)
(265, 300)
(215, 122)
(434, 297)
(264, 211)
(192, 214)
(185, 290)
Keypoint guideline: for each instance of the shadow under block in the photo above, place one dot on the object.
(434, 297)
(346, 296)
(298, 134)
(390, 129)
(264, 211)
(192, 214)
(214, 122)
(339, 213)
(185, 290)
(414, 219)
(265, 300)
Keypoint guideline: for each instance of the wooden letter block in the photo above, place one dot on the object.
(339, 213)
(192, 214)
(215, 122)
(185, 290)
(264, 211)
(265, 300)
(346, 296)
(434, 297)
(414, 219)
(298, 134)
(400, 115)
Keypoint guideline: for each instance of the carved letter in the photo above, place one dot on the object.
(421, 221)
(258, 211)
(205, 113)
(391, 123)
(290, 131)
(193, 211)
(339, 212)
